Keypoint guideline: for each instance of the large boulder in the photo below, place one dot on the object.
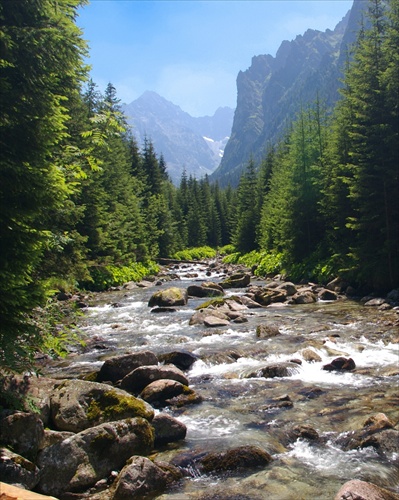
(22, 432)
(15, 469)
(140, 478)
(172, 296)
(77, 405)
(361, 490)
(139, 378)
(116, 368)
(167, 429)
(304, 297)
(80, 461)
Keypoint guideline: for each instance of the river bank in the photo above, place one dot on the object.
(260, 383)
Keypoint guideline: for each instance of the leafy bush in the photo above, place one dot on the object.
(266, 263)
(198, 253)
(103, 277)
(227, 250)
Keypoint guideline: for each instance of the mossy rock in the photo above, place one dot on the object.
(172, 296)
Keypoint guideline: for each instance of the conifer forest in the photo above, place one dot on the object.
(84, 206)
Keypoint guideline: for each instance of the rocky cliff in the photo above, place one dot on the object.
(272, 90)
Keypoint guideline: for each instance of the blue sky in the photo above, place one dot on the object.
(190, 51)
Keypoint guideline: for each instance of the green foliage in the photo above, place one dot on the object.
(104, 277)
(198, 253)
(227, 249)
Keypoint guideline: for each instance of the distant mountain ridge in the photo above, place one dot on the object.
(187, 143)
(271, 92)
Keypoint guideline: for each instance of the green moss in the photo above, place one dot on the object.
(218, 301)
(111, 405)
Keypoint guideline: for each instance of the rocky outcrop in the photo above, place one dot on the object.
(78, 462)
(77, 405)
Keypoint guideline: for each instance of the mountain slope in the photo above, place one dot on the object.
(271, 92)
(186, 142)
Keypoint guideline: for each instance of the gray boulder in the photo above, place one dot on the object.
(304, 297)
(170, 297)
(139, 378)
(116, 368)
(167, 429)
(17, 470)
(77, 405)
(140, 478)
(158, 392)
(361, 490)
(78, 462)
(22, 432)
(205, 290)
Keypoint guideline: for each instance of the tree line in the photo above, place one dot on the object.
(79, 194)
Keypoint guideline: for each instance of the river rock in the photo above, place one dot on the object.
(340, 364)
(170, 297)
(337, 285)
(182, 359)
(207, 289)
(242, 457)
(304, 297)
(326, 294)
(22, 432)
(274, 370)
(374, 302)
(249, 302)
(78, 462)
(361, 490)
(238, 280)
(167, 429)
(289, 288)
(264, 331)
(15, 469)
(310, 355)
(116, 368)
(77, 405)
(140, 478)
(139, 378)
(385, 442)
(160, 391)
(212, 321)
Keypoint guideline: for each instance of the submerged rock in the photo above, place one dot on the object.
(274, 370)
(242, 457)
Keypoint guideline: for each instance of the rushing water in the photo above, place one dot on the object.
(238, 411)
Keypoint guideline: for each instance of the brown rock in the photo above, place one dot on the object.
(116, 368)
(139, 378)
(360, 490)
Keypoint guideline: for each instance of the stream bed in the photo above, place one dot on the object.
(259, 411)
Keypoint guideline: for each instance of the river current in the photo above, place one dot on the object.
(258, 411)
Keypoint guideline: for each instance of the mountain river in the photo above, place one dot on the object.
(260, 411)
